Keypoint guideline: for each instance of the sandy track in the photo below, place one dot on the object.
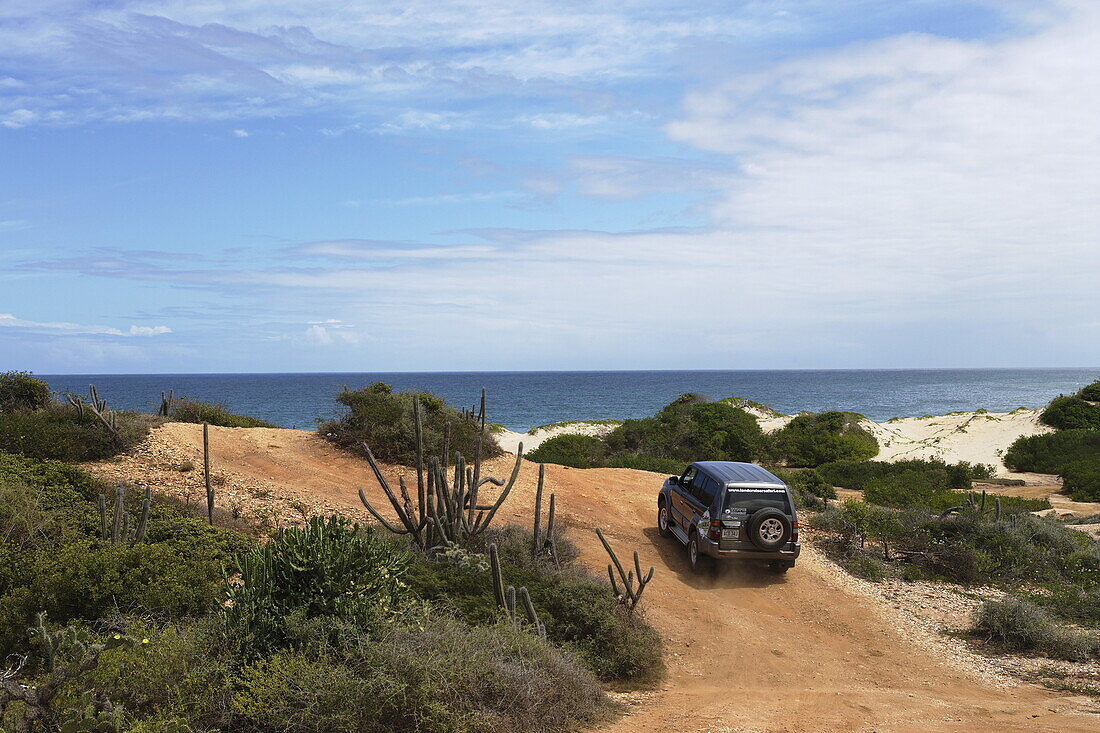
(746, 651)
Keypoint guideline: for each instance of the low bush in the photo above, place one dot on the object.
(576, 451)
(813, 439)
(858, 475)
(689, 429)
(21, 391)
(1023, 626)
(193, 411)
(59, 563)
(1050, 452)
(185, 673)
(1090, 392)
(1081, 480)
(967, 547)
(810, 490)
(578, 610)
(59, 433)
(383, 419)
(330, 569)
(1071, 413)
(446, 676)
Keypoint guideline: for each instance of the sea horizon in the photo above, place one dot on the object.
(521, 400)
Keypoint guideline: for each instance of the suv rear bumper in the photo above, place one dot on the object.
(790, 551)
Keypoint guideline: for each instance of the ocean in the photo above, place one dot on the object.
(523, 400)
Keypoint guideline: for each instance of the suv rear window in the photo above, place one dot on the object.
(749, 500)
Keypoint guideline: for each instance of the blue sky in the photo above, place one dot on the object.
(332, 186)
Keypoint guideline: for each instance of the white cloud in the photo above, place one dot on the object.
(7, 320)
(330, 332)
(241, 133)
(13, 225)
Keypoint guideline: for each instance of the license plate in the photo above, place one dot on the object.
(729, 534)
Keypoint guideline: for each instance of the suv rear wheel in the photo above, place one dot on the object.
(698, 561)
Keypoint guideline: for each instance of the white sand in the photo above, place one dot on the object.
(510, 440)
(975, 437)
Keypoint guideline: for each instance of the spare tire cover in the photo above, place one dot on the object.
(769, 529)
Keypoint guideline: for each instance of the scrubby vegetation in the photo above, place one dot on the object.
(382, 419)
(1073, 451)
(194, 411)
(1069, 413)
(21, 391)
(689, 428)
(817, 438)
(1020, 625)
(1051, 452)
(34, 424)
(576, 451)
(182, 626)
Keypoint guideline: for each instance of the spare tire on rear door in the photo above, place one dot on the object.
(769, 529)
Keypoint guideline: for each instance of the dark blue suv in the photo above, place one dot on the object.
(722, 509)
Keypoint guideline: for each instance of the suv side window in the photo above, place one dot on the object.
(705, 488)
(688, 479)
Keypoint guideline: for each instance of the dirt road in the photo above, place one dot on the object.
(746, 651)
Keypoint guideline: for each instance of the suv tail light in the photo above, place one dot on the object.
(715, 532)
(794, 531)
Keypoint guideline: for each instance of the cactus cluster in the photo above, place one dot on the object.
(506, 597)
(67, 654)
(167, 403)
(447, 511)
(98, 408)
(544, 544)
(977, 505)
(116, 529)
(633, 582)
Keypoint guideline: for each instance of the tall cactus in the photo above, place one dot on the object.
(506, 597)
(206, 472)
(447, 511)
(634, 583)
(117, 529)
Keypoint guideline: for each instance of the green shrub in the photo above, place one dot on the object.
(186, 673)
(446, 676)
(579, 611)
(292, 693)
(193, 411)
(328, 568)
(1023, 626)
(58, 433)
(21, 391)
(858, 475)
(690, 429)
(1090, 392)
(576, 451)
(1081, 480)
(1070, 413)
(809, 488)
(814, 439)
(383, 420)
(57, 563)
(1049, 453)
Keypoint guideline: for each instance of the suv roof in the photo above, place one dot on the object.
(730, 472)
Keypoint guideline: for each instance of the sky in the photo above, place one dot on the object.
(282, 186)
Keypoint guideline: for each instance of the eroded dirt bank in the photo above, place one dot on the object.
(746, 651)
